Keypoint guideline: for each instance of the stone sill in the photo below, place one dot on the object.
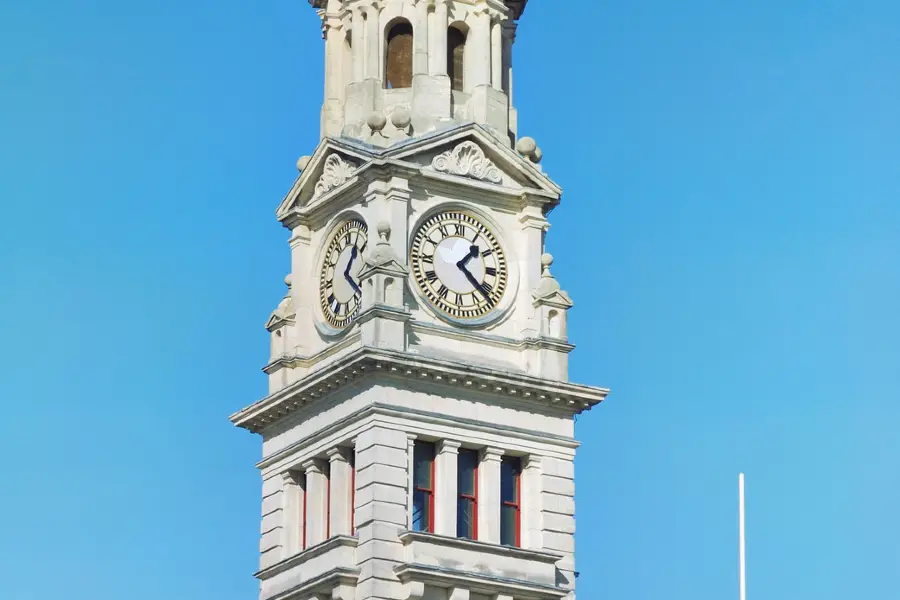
(307, 555)
(540, 556)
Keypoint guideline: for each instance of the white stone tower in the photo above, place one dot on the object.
(418, 434)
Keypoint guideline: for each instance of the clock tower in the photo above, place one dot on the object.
(418, 432)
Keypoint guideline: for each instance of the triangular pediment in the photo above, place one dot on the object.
(470, 154)
(463, 155)
(334, 165)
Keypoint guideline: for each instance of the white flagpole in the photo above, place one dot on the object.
(743, 551)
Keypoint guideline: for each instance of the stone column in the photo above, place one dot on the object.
(339, 512)
(532, 503)
(292, 511)
(332, 111)
(358, 40)
(316, 509)
(373, 43)
(420, 38)
(489, 496)
(497, 55)
(509, 38)
(445, 487)
(479, 44)
(438, 38)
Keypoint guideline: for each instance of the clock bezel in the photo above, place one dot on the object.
(321, 321)
(507, 300)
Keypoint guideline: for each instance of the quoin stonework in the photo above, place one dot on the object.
(418, 434)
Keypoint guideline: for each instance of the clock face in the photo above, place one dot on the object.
(459, 265)
(339, 288)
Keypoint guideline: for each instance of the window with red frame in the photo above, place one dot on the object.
(467, 494)
(353, 492)
(423, 487)
(328, 502)
(510, 501)
(303, 514)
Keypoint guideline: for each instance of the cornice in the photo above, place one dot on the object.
(384, 410)
(365, 362)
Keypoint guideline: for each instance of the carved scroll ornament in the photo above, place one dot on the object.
(467, 160)
(337, 171)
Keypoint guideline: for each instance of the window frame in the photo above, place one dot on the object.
(473, 498)
(328, 504)
(517, 504)
(430, 493)
(353, 492)
(303, 510)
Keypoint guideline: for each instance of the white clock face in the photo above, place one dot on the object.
(459, 265)
(340, 292)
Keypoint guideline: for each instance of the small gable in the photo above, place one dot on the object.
(333, 164)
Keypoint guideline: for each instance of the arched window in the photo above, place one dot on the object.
(456, 58)
(399, 60)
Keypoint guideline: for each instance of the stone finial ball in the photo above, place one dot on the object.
(383, 228)
(376, 121)
(538, 155)
(302, 162)
(526, 146)
(288, 280)
(546, 260)
(401, 118)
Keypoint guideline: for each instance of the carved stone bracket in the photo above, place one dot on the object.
(467, 160)
(337, 172)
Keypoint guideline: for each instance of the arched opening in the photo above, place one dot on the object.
(399, 56)
(456, 57)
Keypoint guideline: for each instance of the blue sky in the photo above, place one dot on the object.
(730, 233)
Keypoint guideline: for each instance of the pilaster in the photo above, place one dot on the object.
(532, 504)
(316, 508)
(489, 495)
(381, 510)
(446, 468)
(340, 509)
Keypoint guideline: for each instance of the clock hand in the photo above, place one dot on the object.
(461, 265)
(349, 279)
(473, 252)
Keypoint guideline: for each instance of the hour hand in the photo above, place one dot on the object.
(473, 252)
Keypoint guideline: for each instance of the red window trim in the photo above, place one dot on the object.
(474, 499)
(328, 506)
(304, 517)
(352, 496)
(430, 492)
(517, 504)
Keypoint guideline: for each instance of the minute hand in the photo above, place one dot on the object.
(461, 265)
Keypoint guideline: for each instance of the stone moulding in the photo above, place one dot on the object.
(336, 172)
(467, 160)
(364, 362)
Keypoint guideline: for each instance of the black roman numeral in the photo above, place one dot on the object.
(486, 289)
(443, 229)
(428, 260)
(491, 271)
(430, 276)
(443, 291)
(487, 252)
